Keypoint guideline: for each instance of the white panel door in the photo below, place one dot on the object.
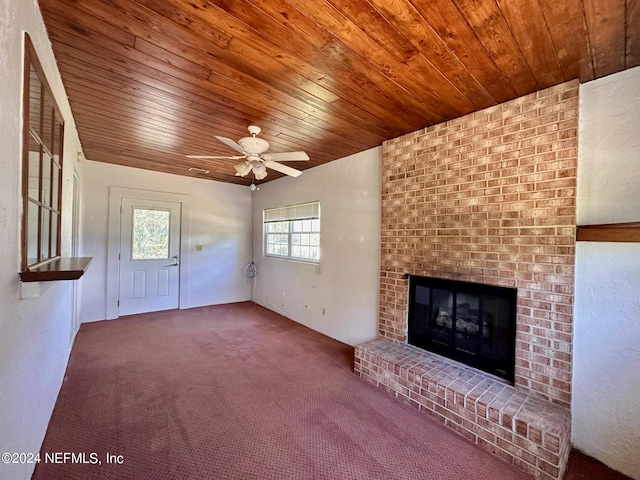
(149, 256)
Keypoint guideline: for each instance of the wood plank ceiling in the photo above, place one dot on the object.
(150, 81)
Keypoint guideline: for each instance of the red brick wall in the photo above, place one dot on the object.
(490, 198)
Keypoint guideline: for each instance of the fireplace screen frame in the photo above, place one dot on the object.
(445, 331)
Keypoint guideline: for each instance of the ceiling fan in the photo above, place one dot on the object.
(254, 159)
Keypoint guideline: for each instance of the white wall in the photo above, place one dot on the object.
(345, 284)
(606, 382)
(219, 220)
(35, 332)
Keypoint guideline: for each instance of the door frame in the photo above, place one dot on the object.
(76, 293)
(113, 248)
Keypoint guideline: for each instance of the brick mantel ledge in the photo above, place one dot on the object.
(520, 426)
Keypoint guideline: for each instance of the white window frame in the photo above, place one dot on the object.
(297, 227)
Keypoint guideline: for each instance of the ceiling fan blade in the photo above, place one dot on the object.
(236, 157)
(230, 143)
(279, 167)
(287, 156)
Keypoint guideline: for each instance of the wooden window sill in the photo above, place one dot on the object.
(612, 232)
(66, 268)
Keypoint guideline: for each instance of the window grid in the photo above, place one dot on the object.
(295, 239)
(42, 167)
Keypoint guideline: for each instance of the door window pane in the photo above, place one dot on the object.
(150, 237)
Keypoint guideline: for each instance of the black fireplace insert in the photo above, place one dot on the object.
(468, 322)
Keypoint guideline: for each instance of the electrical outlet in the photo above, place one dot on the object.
(198, 248)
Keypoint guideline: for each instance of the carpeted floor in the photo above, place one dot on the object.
(239, 392)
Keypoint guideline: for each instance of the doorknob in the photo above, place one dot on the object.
(175, 261)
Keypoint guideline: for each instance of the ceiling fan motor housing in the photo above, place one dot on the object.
(254, 145)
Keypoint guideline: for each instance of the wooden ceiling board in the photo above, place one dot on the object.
(632, 40)
(566, 23)
(134, 93)
(195, 116)
(356, 117)
(419, 78)
(82, 21)
(346, 77)
(150, 81)
(173, 168)
(445, 20)
(371, 87)
(434, 50)
(351, 75)
(529, 28)
(606, 22)
(489, 23)
(356, 66)
(146, 73)
(149, 132)
(257, 51)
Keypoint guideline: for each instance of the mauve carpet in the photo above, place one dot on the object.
(239, 392)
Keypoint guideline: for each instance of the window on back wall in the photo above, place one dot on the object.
(293, 232)
(42, 166)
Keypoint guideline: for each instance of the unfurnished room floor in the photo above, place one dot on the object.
(239, 392)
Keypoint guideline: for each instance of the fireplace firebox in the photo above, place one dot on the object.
(467, 322)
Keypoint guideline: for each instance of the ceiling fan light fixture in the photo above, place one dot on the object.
(259, 170)
(242, 168)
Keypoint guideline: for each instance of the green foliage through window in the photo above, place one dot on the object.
(150, 234)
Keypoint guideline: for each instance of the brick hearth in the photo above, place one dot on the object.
(490, 198)
(520, 426)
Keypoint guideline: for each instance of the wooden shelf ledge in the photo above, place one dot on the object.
(609, 232)
(65, 268)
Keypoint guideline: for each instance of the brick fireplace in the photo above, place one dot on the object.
(487, 198)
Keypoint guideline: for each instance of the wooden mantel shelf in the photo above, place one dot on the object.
(609, 232)
(65, 268)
